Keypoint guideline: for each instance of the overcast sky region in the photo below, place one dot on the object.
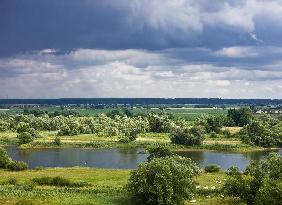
(140, 48)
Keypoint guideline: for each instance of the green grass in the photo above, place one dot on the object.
(106, 187)
(189, 113)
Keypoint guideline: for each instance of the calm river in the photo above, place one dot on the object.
(123, 158)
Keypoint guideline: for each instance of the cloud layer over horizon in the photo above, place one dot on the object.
(141, 48)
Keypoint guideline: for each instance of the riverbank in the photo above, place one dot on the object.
(104, 187)
(143, 140)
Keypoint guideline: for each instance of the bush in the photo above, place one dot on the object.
(158, 150)
(240, 117)
(186, 136)
(212, 168)
(163, 181)
(17, 166)
(24, 137)
(4, 158)
(57, 141)
(124, 139)
(4, 126)
(250, 186)
(226, 133)
(259, 134)
(57, 181)
(270, 193)
(213, 135)
(11, 181)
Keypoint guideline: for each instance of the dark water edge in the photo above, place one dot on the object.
(129, 158)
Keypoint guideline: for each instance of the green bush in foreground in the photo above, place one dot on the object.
(17, 166)
(259, 184)
(4, 158)
(270, 193)
(163, 181)
(212, 168)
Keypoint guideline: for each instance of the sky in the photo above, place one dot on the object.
(140, 48)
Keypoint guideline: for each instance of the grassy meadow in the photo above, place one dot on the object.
(104, 187)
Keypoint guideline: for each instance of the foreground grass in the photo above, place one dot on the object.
(106, 187)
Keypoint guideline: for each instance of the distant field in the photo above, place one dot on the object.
(187, 113)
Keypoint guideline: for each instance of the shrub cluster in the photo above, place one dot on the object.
(7, 163)
(17, 166)
(163, 181)
(212, 168)
(260, 183)
(188, 136)
(261, 133)
(57, 181)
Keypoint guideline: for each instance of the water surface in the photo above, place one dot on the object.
(130, 158)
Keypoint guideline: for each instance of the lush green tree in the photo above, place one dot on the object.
(214, 124)
(163, 181)
(270, 193)
(159, 123)
(4, 126)
(240, 117)
(23, 127)
(188, 136)
(259, 134)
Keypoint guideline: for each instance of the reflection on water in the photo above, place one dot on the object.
(123, 158)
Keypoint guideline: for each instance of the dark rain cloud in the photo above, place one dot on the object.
(137, 24)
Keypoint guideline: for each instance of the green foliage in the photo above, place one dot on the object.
(159, 123)
(24, 137)
(240, 117)
(11, 181)
(270, 193)
(4, 158)
(213, 135)
(158, 150)
(260, 134)
(23, 127)
(188, 136)
(163, 181)
(57, 141)
(226, 133)
(212, 168)
(214, 123)
(250, 186)
(17, 166)
(4, 126)
(57, 181)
